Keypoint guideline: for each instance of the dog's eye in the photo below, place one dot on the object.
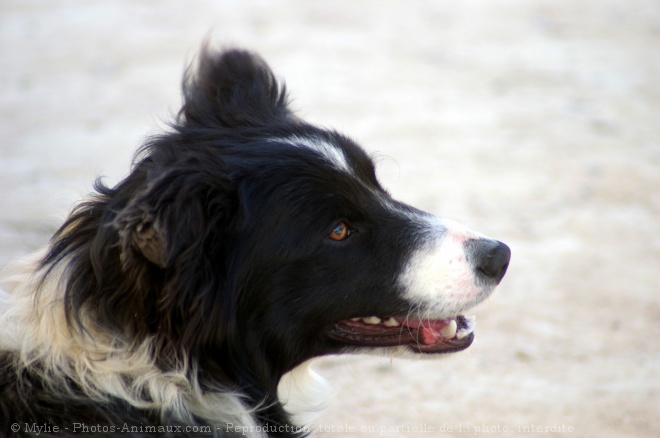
(340, 232)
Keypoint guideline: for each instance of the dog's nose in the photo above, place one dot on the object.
(489, 257)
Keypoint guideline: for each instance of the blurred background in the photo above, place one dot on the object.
(535, 122)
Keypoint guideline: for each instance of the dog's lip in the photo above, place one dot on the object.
(444, 335)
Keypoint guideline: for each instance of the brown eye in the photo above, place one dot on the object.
(340, 232)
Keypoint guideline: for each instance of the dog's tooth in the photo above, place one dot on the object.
(449, 331)
(371, 320)
(463, 332)
(391, 322)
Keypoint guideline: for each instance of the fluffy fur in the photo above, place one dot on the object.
(243, 243)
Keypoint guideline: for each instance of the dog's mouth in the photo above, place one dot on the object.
(419, 335)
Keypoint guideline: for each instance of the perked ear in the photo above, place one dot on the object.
(173, 216)
(233, 88)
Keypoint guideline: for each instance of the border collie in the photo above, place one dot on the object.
(243, 243)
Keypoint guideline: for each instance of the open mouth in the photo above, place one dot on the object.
(420, 335)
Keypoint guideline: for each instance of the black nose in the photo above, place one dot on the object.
(489, 257)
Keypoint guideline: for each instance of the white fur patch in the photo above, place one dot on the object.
(332, 153)
(304, 394)
(438, 278)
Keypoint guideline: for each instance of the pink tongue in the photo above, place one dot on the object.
(429, 330)
(429, 336)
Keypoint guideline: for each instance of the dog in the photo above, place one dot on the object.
(244, 243)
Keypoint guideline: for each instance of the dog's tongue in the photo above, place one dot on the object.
(431, 330)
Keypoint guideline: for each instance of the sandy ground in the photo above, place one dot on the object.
(534, 121)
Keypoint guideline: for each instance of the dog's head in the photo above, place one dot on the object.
(247, 236)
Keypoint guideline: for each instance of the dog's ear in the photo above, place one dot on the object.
(141, 233)
(175, 214)
(233, 88)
